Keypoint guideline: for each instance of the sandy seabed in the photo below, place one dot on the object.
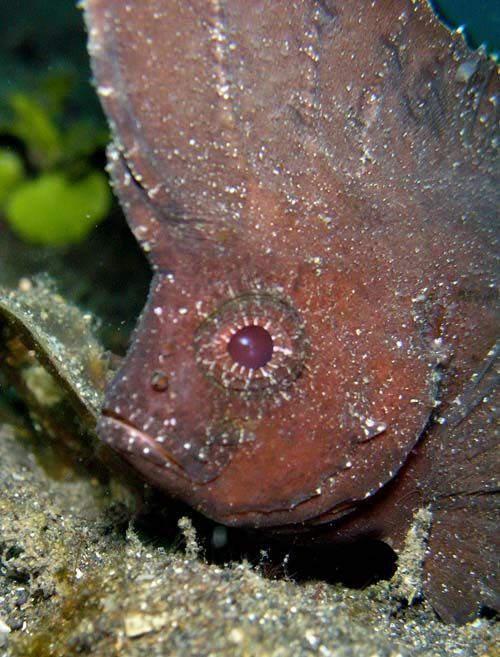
(74, 581)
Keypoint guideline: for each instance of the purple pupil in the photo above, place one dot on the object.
(251, 346)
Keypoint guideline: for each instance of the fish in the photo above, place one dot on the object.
(315, 184)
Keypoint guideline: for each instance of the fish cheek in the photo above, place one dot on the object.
(345, 430)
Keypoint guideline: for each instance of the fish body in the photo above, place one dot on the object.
(316, 186)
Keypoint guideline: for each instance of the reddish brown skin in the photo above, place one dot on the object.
(325, 169)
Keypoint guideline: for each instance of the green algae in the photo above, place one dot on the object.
(63, 197)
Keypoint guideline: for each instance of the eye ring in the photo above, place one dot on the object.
(273, 317)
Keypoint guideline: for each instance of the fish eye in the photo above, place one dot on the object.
(255, 343)
(251, 346)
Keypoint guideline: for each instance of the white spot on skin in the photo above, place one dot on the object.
(154, 191)
(105, 92)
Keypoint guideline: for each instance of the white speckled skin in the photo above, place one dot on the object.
(337, 159)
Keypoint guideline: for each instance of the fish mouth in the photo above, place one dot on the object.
(126, 438)
(168, 461)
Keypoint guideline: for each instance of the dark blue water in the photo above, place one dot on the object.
(481, 19)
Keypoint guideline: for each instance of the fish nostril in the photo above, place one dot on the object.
(159, 381)
(251, 346)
